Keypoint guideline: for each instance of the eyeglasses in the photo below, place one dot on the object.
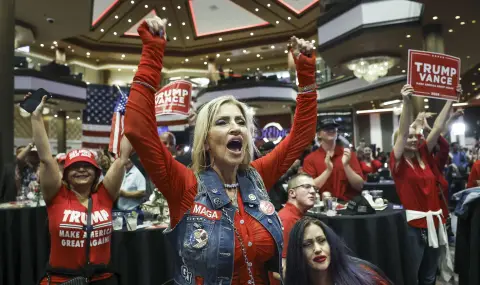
(307, 187)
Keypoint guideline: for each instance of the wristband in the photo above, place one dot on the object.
(308, 88)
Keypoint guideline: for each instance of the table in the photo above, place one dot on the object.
(380, 238)
(141, 257)
(388, 187)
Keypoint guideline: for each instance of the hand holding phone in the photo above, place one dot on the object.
(31, 102)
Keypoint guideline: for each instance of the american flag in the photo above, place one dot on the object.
(97, 117)
(117, 123)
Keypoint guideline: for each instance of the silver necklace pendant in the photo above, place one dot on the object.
(230, 186)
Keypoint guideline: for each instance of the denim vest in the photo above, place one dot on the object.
(204, 239)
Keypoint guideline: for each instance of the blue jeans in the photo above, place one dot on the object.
(424, 259)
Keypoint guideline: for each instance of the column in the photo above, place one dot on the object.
(7, 34)
(61, 122)
(432, 41)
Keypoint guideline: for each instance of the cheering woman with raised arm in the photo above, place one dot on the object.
(223, 229)
(69, 197)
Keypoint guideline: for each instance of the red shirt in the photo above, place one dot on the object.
(337, 183)
(67, 218)
(474, 175)
(416, 187)
(375, 165)
(179, 185)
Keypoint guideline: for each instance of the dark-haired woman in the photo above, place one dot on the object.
(317, 256)
(67, 198)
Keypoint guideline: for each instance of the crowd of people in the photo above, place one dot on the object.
(223, 226)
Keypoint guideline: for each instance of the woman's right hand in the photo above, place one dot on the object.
(153, 30)
(407, 91)
(39, 110)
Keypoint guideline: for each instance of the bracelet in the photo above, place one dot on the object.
(145, 84)
(308, 88)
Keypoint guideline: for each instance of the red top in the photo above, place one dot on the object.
(474, 175)
(337, 183)
(178, 183)
(67, 218)
(289, 215)
(375, 165)
(416, 187)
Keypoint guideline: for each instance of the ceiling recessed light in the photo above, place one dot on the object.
(313, 41)
(187, 37)
(425, 100)
(205, 62)
(52, 47)
(268, 5)
(186, 59)
(462, 23)
(450, 31)
(68, 117)
(258, 68)
(251, 34)
(289, 18)
(400, 45)
(426, 107)
(435, 18)
(56, 114)
(178, 7)
(169, 24)
(286, 51)
(220, 39)
(55, 42)
(256, 9)
(457, 17)
(129, 20)
(133, 2)
(73, 50)
(474, 83)
(174, 38)
(403, 70)
(218, 55)
(88, 53)
(261, 57)
(42, 45)
(163, 8)
(123, 55)
(146, 6)
(277, 22)
(258, 55)
(119, 69)
(228, 59)
(244, 51)
(69, 47)
(272, 47)
(183, 23)
(409, 36)
(98, 60)
(474, 21)
(116, 16)
(115, 33)
(248, 69)
(102, 30)
(468, 56)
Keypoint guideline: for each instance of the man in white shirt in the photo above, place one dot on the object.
(133, 188)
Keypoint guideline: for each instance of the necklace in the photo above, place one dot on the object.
(230, 186)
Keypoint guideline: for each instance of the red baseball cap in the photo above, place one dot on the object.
(80, 155)
(61, 157)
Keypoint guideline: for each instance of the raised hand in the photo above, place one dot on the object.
(305, 62)
(347, 154)
(407, 91)
(38, 111)
(459, 90)
(328, 162)
(153, 30)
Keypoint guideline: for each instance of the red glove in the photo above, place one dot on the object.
(306, 68)
(151, 62)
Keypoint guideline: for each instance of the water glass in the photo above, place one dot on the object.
(117, 221)
(330, 206)
(131, 222)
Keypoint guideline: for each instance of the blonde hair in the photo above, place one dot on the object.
(205, 120)
(416, 153)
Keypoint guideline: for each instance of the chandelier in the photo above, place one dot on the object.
(371, 68)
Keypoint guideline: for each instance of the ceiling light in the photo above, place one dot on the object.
(88, 53)
(403, 70)
(386, 103)
(69, 47)
(218, 55)
(313, 41)
(55, 42)
(426, 106)
(261, 57)
(129, 20)
(183, 23)
(187, 37)
(56, 114)
(134, 70)
(450, 31)
(258, 55)
(52, 47)
(244, 51)
(400, 46)
(68, 117)
(248, 69)
(468, 56)
(98, 60)
(116, 16)
(256, 9)
(286, 51)
(178, 7)
(277, 22)
(435, 17)
(473, 83)
(186, 59)
(146, 6)
(272, 47)
(133, 2)
(409, 36)
(78, 118)
(228, 59)
(474, 21)
(268, 5)
(169, 24)
(457, 17)
(371, 68)
(251, 34)
(119, 69)
(258, 68)
(73, 50)
(102, 30)
(289, 18)
(42, 45)
(174, 38)
(205, 62)
(123, 55)
(220, 39)
(163, 8)
(462, 23)
(115, 33)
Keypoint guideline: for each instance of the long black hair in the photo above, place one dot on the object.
(343, 269)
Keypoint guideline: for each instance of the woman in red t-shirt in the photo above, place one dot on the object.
(413, 171)
(368, 163)
(67, 197)
(223, 148)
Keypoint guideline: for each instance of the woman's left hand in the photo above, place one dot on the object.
(305, 61)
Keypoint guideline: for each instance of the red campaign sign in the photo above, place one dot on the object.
(174, 99)
(433, 75)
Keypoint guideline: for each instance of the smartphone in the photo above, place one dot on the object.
(32, 102)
